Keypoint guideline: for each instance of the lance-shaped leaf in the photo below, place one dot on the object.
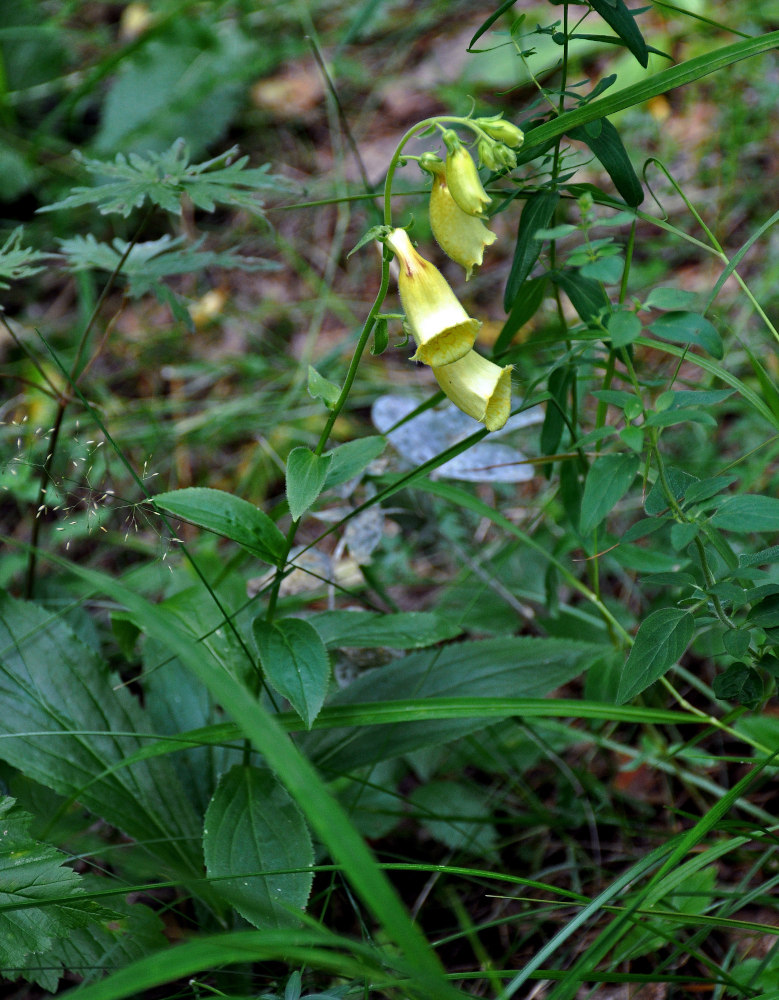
(537, 214)
(603, 139)
(623, 22)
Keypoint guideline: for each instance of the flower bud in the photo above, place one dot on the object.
(462, 237)
(479, 388)
(503, 131)
(486, 150)
(462, 177)
(444, 332)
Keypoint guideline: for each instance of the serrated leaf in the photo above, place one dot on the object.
(163, 178)
(227, 515)
(350, 458)
(17, 262)
(748, 513)
(689, 328)
(587, 296)
(34, 873)
(613, 157)
(622, 21)
(660, 641)
(253, 827)
(609, 478)
(294, 661)
(147, 264)
(368, 629)
(321, 388)
(537, 214)
(306, 474)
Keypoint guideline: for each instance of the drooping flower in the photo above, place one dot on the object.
(442, 329)
(462, 177)
(462, 237)
(479, 388)
(497, 128)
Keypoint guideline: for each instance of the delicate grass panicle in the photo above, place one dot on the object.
(349, 697)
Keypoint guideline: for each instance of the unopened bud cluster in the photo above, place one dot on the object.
(442, 329)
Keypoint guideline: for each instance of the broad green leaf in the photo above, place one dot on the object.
(624, 327)
(368, 629)
(253, 827)
(608, 480)
(515, 667)
(668, 418)
(660, 641)
(765, 613)
(606, 269)
(587, 296)
(537, 214)
(740, 683)
(671, 299)
(54, 690)
(748, 513)
(658, 83)
(294, 661)
(350, 458)
(227, 515)
(321, 388)
(689, 328)
(39, 898)
(656, 501)
(622, 21)
(451, 799)
(306, 474)
(610, 151)
(704, 489)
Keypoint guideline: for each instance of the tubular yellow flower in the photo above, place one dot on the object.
(462, 237)
(443, 330)
(462, 177)
(479, 388)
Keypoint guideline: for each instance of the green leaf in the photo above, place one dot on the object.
(33, 873)
(606, 269)
(537, 214)
(53, 690)
(622, 21)
(511, 667)
(610, 151)
(667, 418)
(526, 304)
(670, 299)
(17, 262)
(682, 398)
(623, 328)
(765, 613)
(450, 799)
(380, 337)
(740, 683)
(748, 513)
(370, 630)
(321, 388)
(689, 328)
(587, 296)
(554, 417)
(660, 641)
(294, 661)
(658, 83)
(306, 474)
(656, 501)
(227, 515)
(350, 458)
(163, 178)
(609, 478)
(253, 827)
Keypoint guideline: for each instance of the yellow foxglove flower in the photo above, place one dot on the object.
(443, 330)
(479, 388)
(462, 177)
(462, 237)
